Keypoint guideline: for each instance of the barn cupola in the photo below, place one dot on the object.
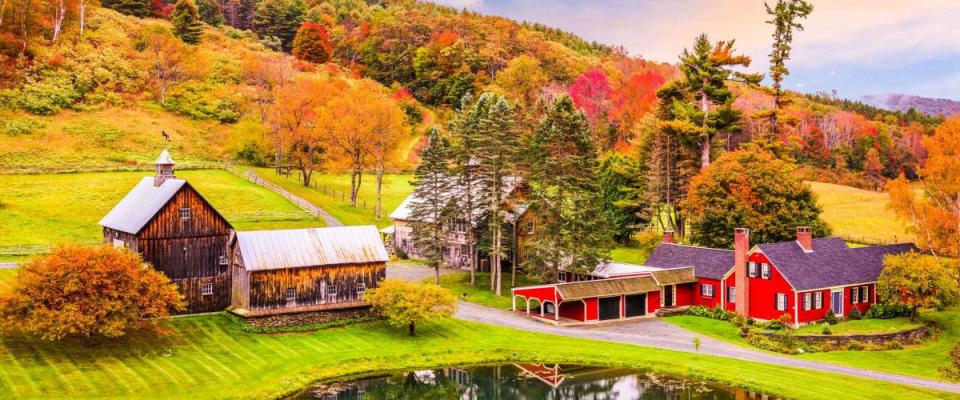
(164, 167)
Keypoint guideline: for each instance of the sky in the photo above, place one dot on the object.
(856, 47)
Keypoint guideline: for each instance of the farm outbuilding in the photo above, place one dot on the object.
(302, 270)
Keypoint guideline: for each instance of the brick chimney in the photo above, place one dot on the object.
(805, 238)
(164, 167)
(667, 236)
(741, 245)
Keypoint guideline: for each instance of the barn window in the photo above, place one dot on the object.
(529, 227)
(185, 213)
(332, 293)
(765, 270)
(291, 294)
(561, 276)
(706, 290)
(818, 300)
(361, 288)
(206, 289)
(781, 302)
(222, 260)
(753, 269)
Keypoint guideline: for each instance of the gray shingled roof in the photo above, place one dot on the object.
(831, 263)
(707, 262)
(292, 248)
(139, 206)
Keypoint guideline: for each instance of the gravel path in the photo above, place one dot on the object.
(8, 265)
(663, 335)
(413, 272)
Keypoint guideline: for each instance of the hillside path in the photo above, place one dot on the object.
(252, 176)
(8, 265)
(664, 335)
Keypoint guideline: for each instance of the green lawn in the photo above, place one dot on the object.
(396, 187)
(41, 209)
(714, 328)
(459, 284)
(630, 255)
(211, 357)
(859, 213)
(861, 327)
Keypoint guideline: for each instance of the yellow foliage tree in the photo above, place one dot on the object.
(406, 304)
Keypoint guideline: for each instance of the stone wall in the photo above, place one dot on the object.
(309, 317)
(902, 337)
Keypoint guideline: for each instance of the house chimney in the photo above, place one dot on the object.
(667, 236)
(741, 245)
(805, 238)
(164, 167)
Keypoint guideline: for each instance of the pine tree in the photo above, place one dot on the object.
(784, 19)
(463, 130)
(432, 186)
(210, 12)
(563, 176)
(623, 190)
(280, 19)
(187, 25)
(497, 151)
(137, 8)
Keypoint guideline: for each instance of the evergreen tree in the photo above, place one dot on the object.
(563, 176)
(464, 129)
(210, 12)
(280, 19)
(432, 186)
(497, 151)
(137, 8)
(187, 25)
(784, 16)
(624, 194)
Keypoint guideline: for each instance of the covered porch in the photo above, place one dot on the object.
(588, 302)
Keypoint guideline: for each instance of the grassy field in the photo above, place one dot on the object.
(859, 213)
(459, 284)
(863, 326)
(396, 187)
(41, 209)
(921, 360)
(211, 357)
(630, 255)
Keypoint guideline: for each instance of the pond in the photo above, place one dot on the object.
(525, 381)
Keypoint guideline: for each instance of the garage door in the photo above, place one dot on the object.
(636, 305)
(609, 308)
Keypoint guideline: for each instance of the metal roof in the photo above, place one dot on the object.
(292, 248)
(606, 287)
(458, 193)
(139, 206)
(674, 276)
(164, 158)
(612, 269)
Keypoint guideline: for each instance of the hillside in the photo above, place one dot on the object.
(904, 102)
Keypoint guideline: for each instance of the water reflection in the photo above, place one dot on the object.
(527, 381)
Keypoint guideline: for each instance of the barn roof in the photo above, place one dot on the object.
(674, 276)
(606, 287)
(831, 263)
(707, 262)
(293, 248)
(139, 206)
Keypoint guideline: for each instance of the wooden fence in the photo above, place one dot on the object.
(307, 206)
(31, 249)
(334, 193)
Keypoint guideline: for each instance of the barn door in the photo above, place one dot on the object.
(609, 308)
(636, 305)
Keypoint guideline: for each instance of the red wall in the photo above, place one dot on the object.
(686, 294)
(730, 282)
(653, 301)
(763, 301)
(815, 314)
(572, 309)
(593, 309)
(540, 293)
(709, 302)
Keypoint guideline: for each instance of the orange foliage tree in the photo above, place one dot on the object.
(294, 117)
(86, 292)
(312, 43)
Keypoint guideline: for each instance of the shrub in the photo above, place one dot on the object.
(699, 311)
(854, 313)
(774, 326)
(887, 311)
(826, 330)
(17, 127)
(854, 345)
(744, 330)
(830, 318)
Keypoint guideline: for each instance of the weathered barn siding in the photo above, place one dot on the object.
(267, 289)
(117, 238)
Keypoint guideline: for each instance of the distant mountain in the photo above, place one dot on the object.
(903, 102)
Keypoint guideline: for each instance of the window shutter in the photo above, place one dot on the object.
(852, 295)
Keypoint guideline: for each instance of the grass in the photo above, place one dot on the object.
(396, 187)
(212, 357)
(862, 327)
(859, 213)
(53, 208)
(459, 284)
(630, 255)
(921, 360)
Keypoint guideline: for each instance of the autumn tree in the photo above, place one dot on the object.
(279, 19)
(636, 97)
(86, 292)
(294, 114)
(563, 176)
(432, 182)
(210, 12)
(784, 16)
(57, 12)
(166, 57)
(521, 81)
(312, 43)
(917, 281)
(873, 167)
(750, 188)
(405, 304)
(187, 25)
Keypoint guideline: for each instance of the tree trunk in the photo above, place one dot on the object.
(497, 256)
(705, 146)
(436, 274)
(82, 10)
(377, 212)
(356, 179)
(410, 329)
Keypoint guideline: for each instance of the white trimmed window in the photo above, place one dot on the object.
(818, 300)
(561, 276)
(185, 213)
(752, 268)
(731, 294)
(530, 227)
(807, 301)
(361, 289)
(765, 271)
(706, 290)
(222, 260)
(781, 302)
(332, 293)
(291, 294)
(865, 294)
(206, 289)
(854, 295)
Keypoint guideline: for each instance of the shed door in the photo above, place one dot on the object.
(668, 296)
(636, 305)
(609, 308)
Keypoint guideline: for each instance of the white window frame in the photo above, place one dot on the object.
(361, 289)
(185, 213)
(807, 301)
(854, 295)
(706, 290)
(562, 277)
(752, 269)
(865, 294)
(287, 295)
(818, 300)
(765, 271)
(331, 293)
(732, 294)
(206, 289)
(782, 302)
(222, 260)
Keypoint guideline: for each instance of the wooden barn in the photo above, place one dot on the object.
(178, 232)
(304, 270)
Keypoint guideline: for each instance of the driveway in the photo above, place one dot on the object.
(663, 335)
(413, 271)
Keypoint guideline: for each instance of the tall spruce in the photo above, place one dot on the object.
(432, 187)
(464, 129)
(563, 175)
(279, 19)
(784, 16)
(498, 147)
(624, 193)
(187, 25)
(137, 8)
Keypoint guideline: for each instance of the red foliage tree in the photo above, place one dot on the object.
(312, 43)
(591, 94)
(637, 96)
